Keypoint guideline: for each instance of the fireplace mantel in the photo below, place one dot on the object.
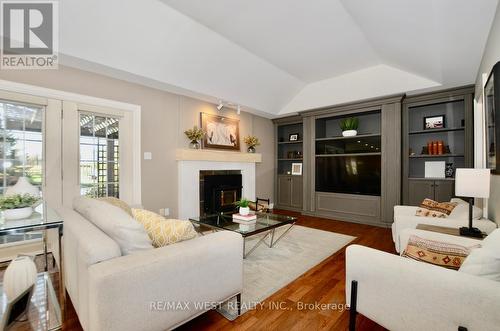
(214, 155)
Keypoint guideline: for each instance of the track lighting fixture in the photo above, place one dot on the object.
(220, 106)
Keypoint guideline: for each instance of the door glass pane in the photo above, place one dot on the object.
(99, 156)
(21, 144)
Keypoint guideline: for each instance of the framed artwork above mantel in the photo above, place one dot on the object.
(221, 132)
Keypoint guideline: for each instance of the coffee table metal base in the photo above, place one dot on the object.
(271, 244)
(270, 233)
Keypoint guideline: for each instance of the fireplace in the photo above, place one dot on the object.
(219, 190)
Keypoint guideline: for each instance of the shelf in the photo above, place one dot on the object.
(436, 130)
(290, 159)
(348, 154)
(423, 178)
(425, 156)
(290, 142)
(354, 137)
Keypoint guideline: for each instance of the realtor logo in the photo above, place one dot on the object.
(29, 32)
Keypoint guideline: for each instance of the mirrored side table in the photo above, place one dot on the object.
(46, 310)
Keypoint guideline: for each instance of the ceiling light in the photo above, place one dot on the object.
(238, 110)
(220, 106)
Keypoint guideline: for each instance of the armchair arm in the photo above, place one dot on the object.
(402, 294)
(161, 288)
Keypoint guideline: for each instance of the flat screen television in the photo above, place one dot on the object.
(492, 123)
(349, 174)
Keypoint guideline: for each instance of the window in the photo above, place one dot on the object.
(99, 155)
(21, 143)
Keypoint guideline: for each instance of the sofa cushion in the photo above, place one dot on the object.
(164, 231)
(492, 243)
(435, 252)
(461, 211)
(431, 208)
(485, 261)
(117, 203)
(115, 222)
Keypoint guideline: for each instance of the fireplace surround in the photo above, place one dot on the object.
(191, 162)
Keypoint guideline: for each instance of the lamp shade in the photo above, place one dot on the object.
(472, 183)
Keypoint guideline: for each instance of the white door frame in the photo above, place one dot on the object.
(60, 98)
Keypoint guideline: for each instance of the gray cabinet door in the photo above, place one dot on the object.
(284, 190)
(444, 190)
(419, 190)
(296, 195)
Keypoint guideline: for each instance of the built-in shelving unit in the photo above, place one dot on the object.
(289, 147)
(353, 178)
(349, 165)
(455, 133)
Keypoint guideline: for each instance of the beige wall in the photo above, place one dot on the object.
(164, 118)
(490, 57)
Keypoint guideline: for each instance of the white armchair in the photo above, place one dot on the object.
(404, 218)
(403, 294)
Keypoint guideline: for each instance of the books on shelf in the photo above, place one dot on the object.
(247, 219)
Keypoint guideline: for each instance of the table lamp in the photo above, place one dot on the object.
(470, 184)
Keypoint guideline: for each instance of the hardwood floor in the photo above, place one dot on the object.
(323, 284)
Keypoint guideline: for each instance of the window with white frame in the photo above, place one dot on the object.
(99, 155)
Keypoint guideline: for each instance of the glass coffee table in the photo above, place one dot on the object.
(266, 223)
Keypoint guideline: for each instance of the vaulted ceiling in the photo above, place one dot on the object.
(279, 56)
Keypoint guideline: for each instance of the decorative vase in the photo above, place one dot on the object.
(349, 133)
(251, 149)
(19, 276)
(23, 186)
(17, 213)
(194, 144)
(244, 211)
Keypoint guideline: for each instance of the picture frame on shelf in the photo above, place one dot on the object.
(297, 169)
(435, 169)
(293, 137)
(221, 132)
(434, 122)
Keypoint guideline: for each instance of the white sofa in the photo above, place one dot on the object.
(135, 292)
(403, 294)
(404, 218)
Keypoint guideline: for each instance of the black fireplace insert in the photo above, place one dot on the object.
(219, 190)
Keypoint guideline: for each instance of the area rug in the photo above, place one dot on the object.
(267, 270)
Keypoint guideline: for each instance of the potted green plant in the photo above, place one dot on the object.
(17, 206)
(195, 135)
(349, 126)
(251, 142)
(244, 206)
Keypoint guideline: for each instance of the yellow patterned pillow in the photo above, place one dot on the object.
(164, 231)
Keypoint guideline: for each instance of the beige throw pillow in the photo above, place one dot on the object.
(431, 208)
(164, 231)
(435, 252)
(114, 222)
(118, 203)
